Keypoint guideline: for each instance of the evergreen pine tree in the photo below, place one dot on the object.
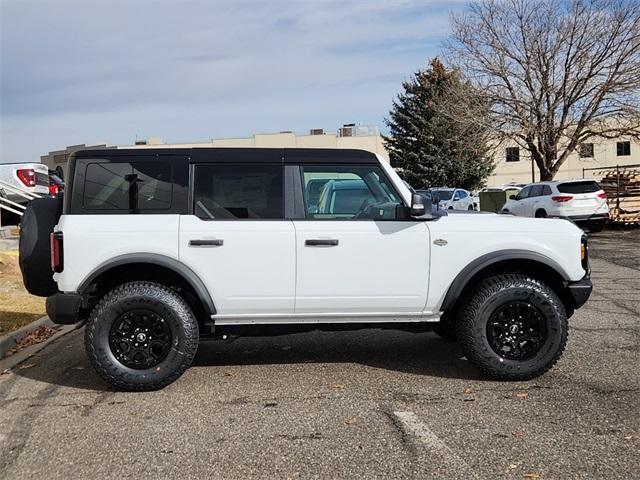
(439, 133)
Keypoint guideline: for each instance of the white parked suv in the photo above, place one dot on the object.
(453, 198)
(582, 201)
(30, 178)
(157, 248)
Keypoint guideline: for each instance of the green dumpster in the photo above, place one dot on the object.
(492, 199)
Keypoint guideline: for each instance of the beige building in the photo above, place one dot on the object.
(513, 164)
(350, 136)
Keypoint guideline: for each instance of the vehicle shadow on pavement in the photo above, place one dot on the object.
(415, 353)
(65, 363)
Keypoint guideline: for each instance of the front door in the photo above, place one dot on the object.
(520, 205)
(237, 240)
(355, 257)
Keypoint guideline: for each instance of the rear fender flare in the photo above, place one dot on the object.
(154, 259)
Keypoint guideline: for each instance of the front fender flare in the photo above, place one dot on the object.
(462, 279)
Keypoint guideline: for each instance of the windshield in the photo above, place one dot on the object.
(439, 195)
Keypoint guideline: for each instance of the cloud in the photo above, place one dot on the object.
(76, 72)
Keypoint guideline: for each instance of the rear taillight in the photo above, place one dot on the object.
(53, 190)
(562, 198)
(27, 176)
(601, 195)
(57, 259)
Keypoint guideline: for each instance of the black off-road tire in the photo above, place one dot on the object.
(159, 300)
(490, 295)
(595, 227)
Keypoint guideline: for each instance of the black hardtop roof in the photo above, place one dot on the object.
(246, 154)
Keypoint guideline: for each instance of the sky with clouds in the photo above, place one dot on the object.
(86, 72)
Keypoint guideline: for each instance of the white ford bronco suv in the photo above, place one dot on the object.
(156, 249)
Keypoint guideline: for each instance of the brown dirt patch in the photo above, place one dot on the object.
(17, 306)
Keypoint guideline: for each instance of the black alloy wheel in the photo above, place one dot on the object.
(140, 339)
(516, 331)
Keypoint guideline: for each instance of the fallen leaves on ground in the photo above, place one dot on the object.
(522, 394)
(34, 337)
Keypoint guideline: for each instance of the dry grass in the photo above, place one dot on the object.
(17, 307)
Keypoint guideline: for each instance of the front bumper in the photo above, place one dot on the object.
(64, 308)
(580, 291)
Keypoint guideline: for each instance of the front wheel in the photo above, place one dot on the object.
(141, 336)
(512, 327)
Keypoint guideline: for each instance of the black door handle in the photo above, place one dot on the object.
(321, 243)
(206, 243)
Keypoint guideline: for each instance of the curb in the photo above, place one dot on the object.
(9, 341)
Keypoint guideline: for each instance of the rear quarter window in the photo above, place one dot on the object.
(579, 187)
(149, 184)
(143, 185)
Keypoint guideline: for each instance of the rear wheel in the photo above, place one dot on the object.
(512, 327)
(595, 227)
(141, 336)
(540, 213)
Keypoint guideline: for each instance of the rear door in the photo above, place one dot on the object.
(356, 257)
(237, 239)
(532, 202)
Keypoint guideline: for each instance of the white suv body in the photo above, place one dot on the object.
(453, 198)
(582, 201)
(228, 240)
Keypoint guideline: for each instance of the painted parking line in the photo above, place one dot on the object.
(412, 425)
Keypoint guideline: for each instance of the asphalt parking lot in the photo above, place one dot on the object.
(370, 404)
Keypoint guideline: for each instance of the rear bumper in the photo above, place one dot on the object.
(594, 217)
(580, 291)
(64, 308)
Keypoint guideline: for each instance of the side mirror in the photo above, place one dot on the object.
(513, 197)
(418, 207)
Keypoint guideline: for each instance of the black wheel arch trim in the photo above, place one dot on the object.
(480, 263)
(154, 259)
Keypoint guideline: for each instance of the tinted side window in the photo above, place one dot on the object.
(546, 190)
(358, 192)
(525, 192)
(230, 192)
(536, 191)
(143, 185)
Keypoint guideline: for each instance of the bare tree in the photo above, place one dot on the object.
(556, 72)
